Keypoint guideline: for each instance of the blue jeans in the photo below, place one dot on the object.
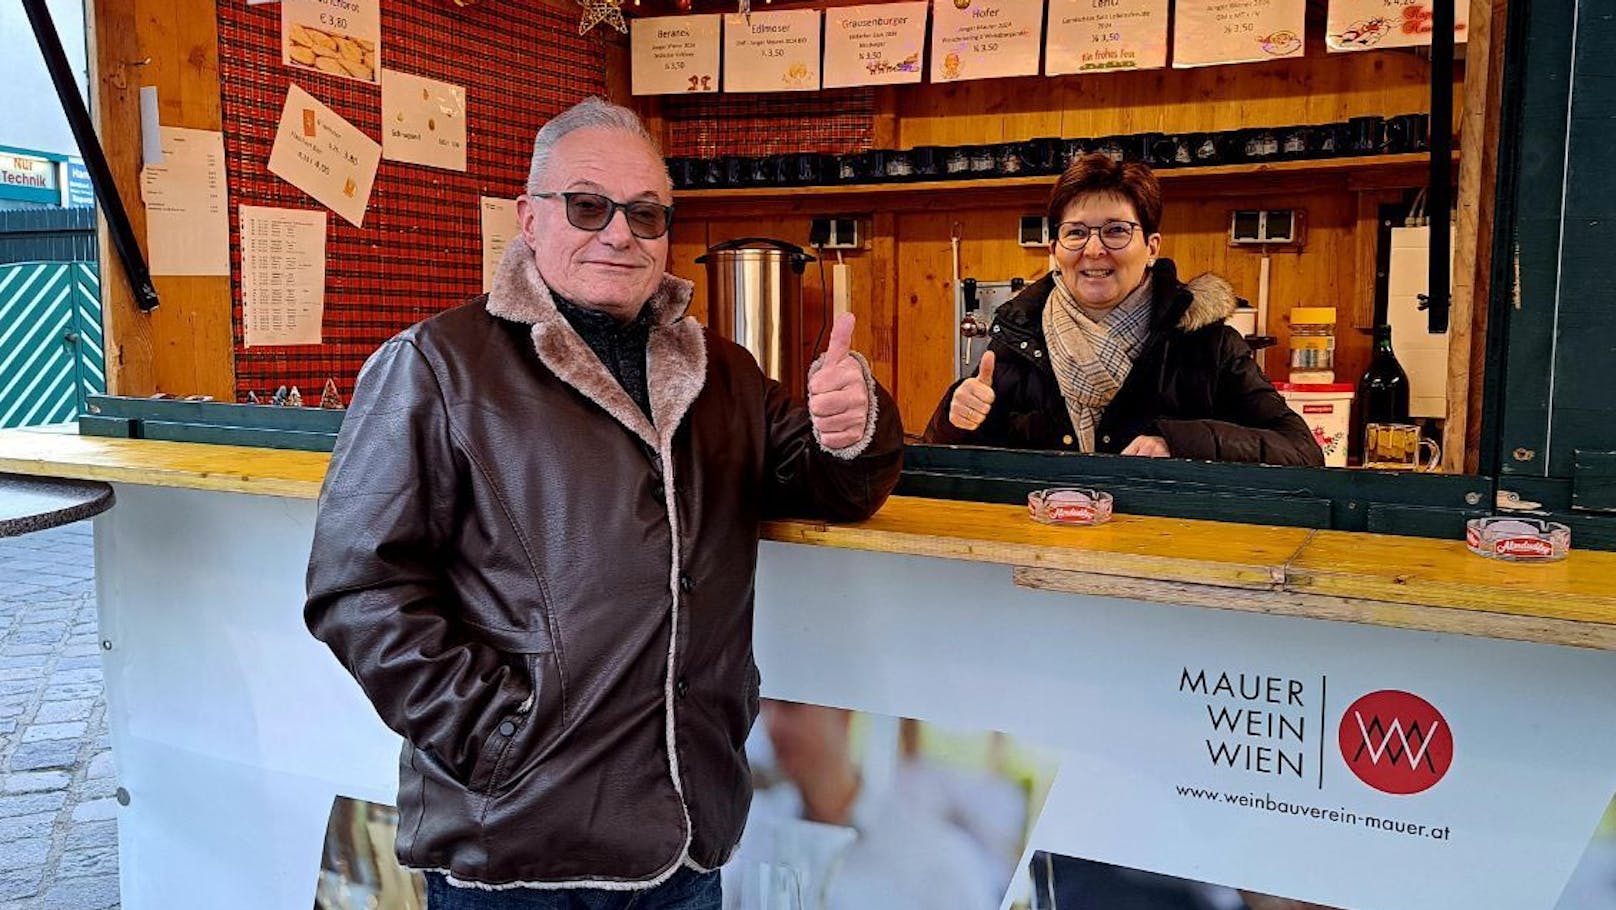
(686, 890)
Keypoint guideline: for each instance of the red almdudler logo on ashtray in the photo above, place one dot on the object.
(1071, 513)
(1396, 742)
(1523, 546)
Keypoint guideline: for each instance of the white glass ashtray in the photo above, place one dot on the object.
(1518, 539)
(1069, 506)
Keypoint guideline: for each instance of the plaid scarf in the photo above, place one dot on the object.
(1092, 359)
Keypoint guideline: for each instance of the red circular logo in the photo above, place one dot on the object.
(1396, 742)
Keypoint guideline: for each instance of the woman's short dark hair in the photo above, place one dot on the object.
(1099, 175)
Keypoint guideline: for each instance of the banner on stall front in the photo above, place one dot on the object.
(1361, 25)
(1209, 32)
(772, 52)
(874, 45)
(1090, 36)
(984, 39)
(673, 55)
(1350, 765)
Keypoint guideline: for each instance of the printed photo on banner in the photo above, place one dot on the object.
(1057, 880)
(674, 55)
(874, 45)
(772, 52)
(1060, 882)
(337, 37)
(855, 810)
(1209, 32)
(322, 154)
(423, 121)
(358, 869)
(985, 39)
(1361, 25)
(1592, 885)
(850, 811)
(1086, 37)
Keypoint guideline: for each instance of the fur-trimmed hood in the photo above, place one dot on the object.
(676, 354)
(1212, 300)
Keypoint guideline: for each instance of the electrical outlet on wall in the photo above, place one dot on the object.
(1268, 227)
(1033, 231)
(836, 232)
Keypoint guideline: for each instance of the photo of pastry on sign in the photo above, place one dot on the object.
(336, 37)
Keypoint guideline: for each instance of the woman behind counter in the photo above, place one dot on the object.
(1112, 353)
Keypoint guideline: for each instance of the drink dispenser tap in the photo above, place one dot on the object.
(970, 325)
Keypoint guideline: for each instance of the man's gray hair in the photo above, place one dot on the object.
(591, 113)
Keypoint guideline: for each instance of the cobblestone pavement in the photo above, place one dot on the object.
(58, 828)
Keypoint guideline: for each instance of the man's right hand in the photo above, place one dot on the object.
(974, 397)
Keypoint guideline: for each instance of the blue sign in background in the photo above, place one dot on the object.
(80, 192)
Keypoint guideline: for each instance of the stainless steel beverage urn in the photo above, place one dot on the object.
(754, 298)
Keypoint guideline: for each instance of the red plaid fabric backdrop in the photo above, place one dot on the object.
(833, 122)
(420, 250)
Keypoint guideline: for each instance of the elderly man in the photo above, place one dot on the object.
(537, 544)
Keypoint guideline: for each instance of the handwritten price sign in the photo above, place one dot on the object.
(1087, 36)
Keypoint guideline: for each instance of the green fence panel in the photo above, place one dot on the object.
(51, 347)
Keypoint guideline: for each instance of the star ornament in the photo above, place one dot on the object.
(598, 11)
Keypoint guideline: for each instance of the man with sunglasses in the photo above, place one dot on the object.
(537, 544)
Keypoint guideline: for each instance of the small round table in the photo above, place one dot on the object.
(29, 504)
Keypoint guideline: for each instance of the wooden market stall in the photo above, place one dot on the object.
(234, 731)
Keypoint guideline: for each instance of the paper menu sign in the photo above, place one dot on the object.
(337, 37)
(187, 214)
(499, 228)
(671, 55)
(984, 39)
(880, 44)
(282, 275)
(423, 121)
(1085, 36)
(1361, 25)
(1210, 32)
(773, 52)
(324, 155)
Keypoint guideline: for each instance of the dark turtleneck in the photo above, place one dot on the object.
(619, 345)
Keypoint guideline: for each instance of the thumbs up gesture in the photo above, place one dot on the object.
(838, 398)
(974, 397)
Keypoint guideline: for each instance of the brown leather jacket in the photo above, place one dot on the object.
(549, 597)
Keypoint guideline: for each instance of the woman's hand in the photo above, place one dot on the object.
(1148, 446)
(974, 397)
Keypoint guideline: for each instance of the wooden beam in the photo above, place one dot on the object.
(186, 346)
(1281, 601)
(1473, 247)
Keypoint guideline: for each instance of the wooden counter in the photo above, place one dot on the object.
(1405, 582)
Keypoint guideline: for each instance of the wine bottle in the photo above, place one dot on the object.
(1382, 390)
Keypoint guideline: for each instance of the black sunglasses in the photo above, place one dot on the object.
(592, 212)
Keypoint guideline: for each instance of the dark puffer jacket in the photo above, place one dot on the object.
(1194, 384)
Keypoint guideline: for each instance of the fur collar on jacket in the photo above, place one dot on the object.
(676, 355)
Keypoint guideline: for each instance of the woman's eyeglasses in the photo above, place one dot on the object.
(592, 212)
(1114, 235)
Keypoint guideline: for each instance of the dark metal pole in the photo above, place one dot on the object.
(95, 160)
(1440, 194)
